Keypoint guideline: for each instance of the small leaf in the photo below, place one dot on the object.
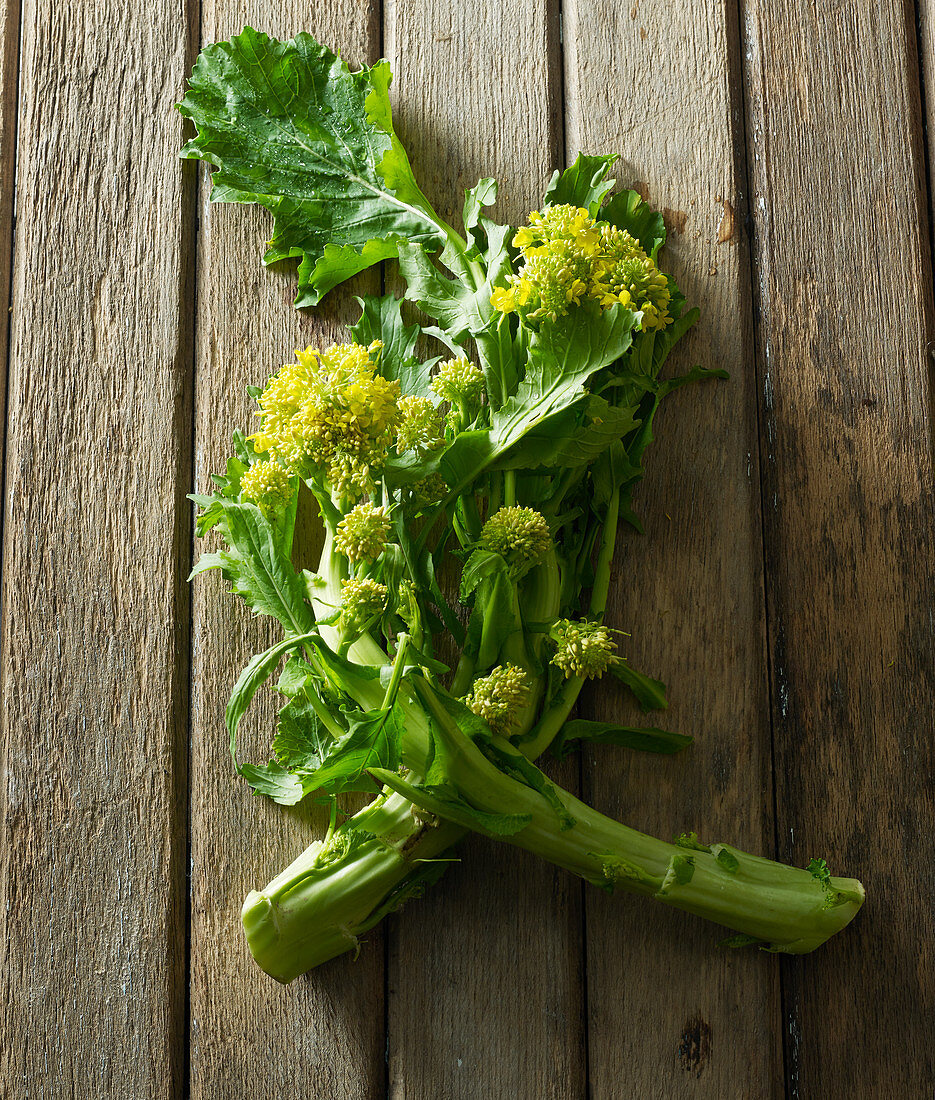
(642, 738)
(649, 693)
(627, 210)
(585, 183)
(725, 858)
(275, 782)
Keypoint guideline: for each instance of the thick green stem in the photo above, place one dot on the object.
(333, 893)
(785, 908)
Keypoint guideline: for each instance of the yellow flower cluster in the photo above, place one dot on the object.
(330, 412)
(567, 256)
(498, 697)
(421, 427)
(268, 486)
(583, 648)
(362, 534)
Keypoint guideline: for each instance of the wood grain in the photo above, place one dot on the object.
(485, 979)
(324, 1034)
(95, 612)
(844, 291)
(9, 87)
(670, 1014)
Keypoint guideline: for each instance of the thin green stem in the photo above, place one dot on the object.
(399, 667)
(605, 557)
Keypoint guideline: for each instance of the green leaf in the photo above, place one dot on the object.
(678, 873)
(484, 193)
(585, 183)
(288, 126)
(626, 210)
(373, 740)
(301, 741)
(259, 571)
(274, 781)
(257, 672)
(382, 319)
(642, 738)
(562, 357)
(820, 871)
(690, 840)
(726, 858)
(459, 308)
(575, 437)
(650, 693)
(513, 763)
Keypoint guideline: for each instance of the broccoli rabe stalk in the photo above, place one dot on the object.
(430, 691)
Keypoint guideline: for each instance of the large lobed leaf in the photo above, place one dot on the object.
(288, 126)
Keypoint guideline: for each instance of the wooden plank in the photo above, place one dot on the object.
(95, 614)
(844, 288)
(669, 1014)
(324, 1034)
(485, 981)
(9, 85)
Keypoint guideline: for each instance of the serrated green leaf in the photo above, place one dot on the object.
(373, 740)
(258, 570)
(382, 319)
(301, 741)
(483, 193)
(288, 126)
(461, 310)
(575, 437)
(562, 358)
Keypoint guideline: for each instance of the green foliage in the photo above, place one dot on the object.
(288, 126)
(556, 434)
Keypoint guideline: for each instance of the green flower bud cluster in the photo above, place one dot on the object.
(363, 601)
(519, 535)
(499, 697)
(421, 427)
(268, 486)
(624, 273)
(425, 492)
(461, 384)
(363, 533)
(583, 648)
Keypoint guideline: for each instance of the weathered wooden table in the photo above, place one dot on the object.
(784, 587)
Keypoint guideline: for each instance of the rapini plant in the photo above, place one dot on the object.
(512, 452)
